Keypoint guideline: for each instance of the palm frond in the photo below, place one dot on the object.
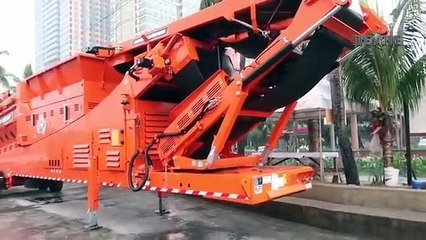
(6, 78)
(409, 22)
(359, 78)
(391, 74)
(411, 84)
(13, 77)
(397, 12)
(4, 82)
(373, 73)
(28, 71)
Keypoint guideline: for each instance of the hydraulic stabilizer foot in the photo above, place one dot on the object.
(93, 221)
(162, 204)
(93, 189)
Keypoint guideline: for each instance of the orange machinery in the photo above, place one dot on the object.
(162, 111)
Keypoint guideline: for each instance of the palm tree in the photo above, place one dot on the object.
(28, 71)
(391, 75)
(6, 77)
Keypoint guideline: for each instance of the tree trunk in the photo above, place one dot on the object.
(387, 135)
(313, 133)
(361, 145)
(347, 155)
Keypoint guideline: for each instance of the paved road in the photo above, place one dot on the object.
(27, 214)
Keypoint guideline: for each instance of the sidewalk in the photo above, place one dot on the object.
(366, 180)
(371, 212)
(383, 223)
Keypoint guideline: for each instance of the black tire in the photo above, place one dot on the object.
(42, 185)
(2, 181)
(55, 186)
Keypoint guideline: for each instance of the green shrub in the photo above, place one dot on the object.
(373, 163)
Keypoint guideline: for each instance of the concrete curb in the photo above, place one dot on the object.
(377, 197)
(359, 221)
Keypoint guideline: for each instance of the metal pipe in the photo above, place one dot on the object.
(320, 145)
(322, 20)
(250, 27)
(349, 54)
(408, 143)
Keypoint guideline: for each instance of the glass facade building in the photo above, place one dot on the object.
(63, 27)
(134, 16)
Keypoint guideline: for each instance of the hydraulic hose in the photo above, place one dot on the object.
(130, 173)
(141, 63)
(209, 105)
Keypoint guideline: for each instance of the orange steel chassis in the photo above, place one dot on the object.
(87, 120)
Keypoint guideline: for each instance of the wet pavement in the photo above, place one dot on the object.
(27, 214)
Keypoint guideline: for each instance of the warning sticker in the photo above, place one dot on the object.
(41, 124)
(258, 185)
(200, 164)
(278, 181)
(267, 179)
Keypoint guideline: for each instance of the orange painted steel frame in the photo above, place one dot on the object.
(82, 120)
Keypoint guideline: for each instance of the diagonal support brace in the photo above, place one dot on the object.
(277, 131)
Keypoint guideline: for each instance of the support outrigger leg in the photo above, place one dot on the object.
(93, 188)
(161, 208)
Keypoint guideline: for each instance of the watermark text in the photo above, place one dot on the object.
(361, 40)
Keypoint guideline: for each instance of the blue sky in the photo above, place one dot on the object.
(17, 17)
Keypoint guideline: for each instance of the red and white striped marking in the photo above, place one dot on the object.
(52, 178)
(148, 188)
(111, 184)
(197, 193)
